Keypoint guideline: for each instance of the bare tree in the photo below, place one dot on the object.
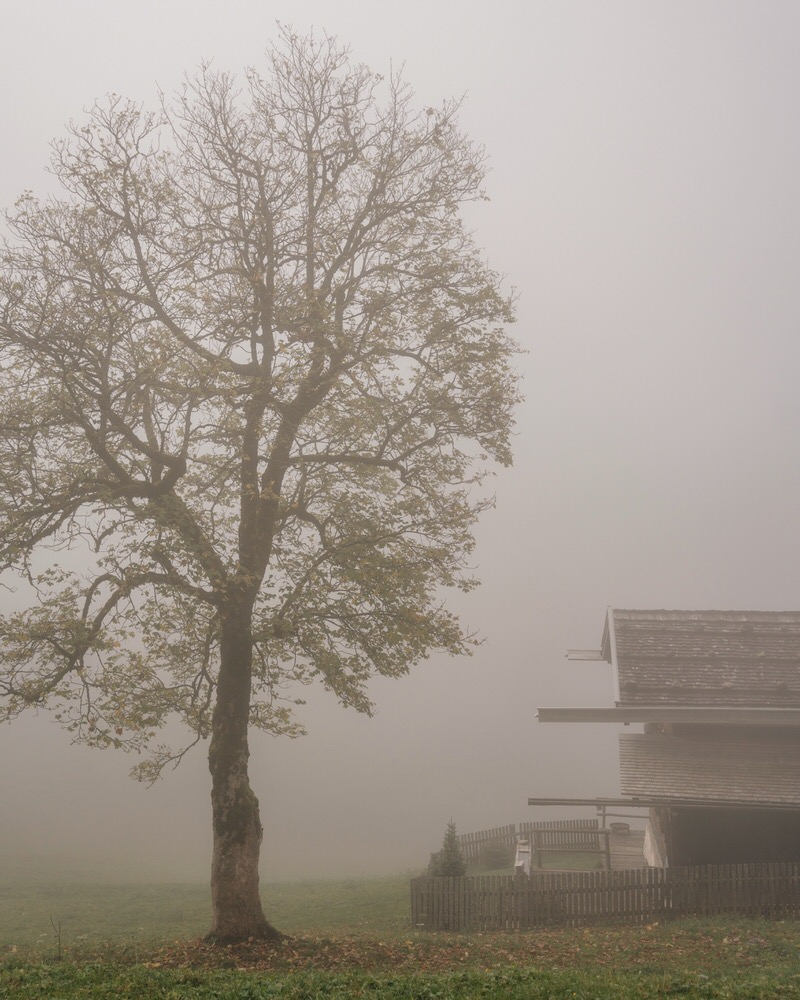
(253, 369)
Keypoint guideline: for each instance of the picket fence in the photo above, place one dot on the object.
(567, 835)
(647, 895)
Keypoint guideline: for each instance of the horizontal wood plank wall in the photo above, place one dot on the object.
(507, 902)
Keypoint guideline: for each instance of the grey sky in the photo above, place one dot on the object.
(645, 204)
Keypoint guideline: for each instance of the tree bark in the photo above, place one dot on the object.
(235, 898)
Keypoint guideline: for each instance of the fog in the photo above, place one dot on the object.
(645, 204)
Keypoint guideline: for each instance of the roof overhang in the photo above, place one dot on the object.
(675, 714)
(607, 652)
(585, 654)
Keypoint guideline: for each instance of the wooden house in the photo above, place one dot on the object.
(718, 761)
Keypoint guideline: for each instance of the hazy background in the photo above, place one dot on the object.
(646, 204)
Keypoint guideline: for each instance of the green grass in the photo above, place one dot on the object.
(578, 860)
(379, 906)
(351, 938)
(89, 913)
(103, 981)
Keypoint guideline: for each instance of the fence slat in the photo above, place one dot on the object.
(573, 834)
(510, 902)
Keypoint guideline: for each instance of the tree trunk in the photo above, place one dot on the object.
(235, 899)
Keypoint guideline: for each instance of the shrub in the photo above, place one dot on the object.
(450, 860)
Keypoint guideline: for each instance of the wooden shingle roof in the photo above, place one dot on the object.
(737, 772)
(706, 658)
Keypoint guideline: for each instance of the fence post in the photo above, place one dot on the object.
(606, 835)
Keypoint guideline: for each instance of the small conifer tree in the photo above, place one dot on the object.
(450, 860)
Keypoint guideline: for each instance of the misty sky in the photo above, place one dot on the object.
(646, 206)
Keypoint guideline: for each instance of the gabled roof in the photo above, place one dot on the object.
(705, 658)
(669, 768)
(731, 679)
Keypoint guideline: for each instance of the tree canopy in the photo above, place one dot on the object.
(253, 368)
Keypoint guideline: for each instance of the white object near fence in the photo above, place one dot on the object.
(522, 861)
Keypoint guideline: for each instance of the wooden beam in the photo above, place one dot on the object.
(675, 714)
(676, 803)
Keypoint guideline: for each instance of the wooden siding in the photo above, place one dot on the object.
(574, 899)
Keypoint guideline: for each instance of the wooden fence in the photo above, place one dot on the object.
(507, 902)
(557, 835)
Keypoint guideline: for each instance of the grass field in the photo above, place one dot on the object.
(352, 938)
